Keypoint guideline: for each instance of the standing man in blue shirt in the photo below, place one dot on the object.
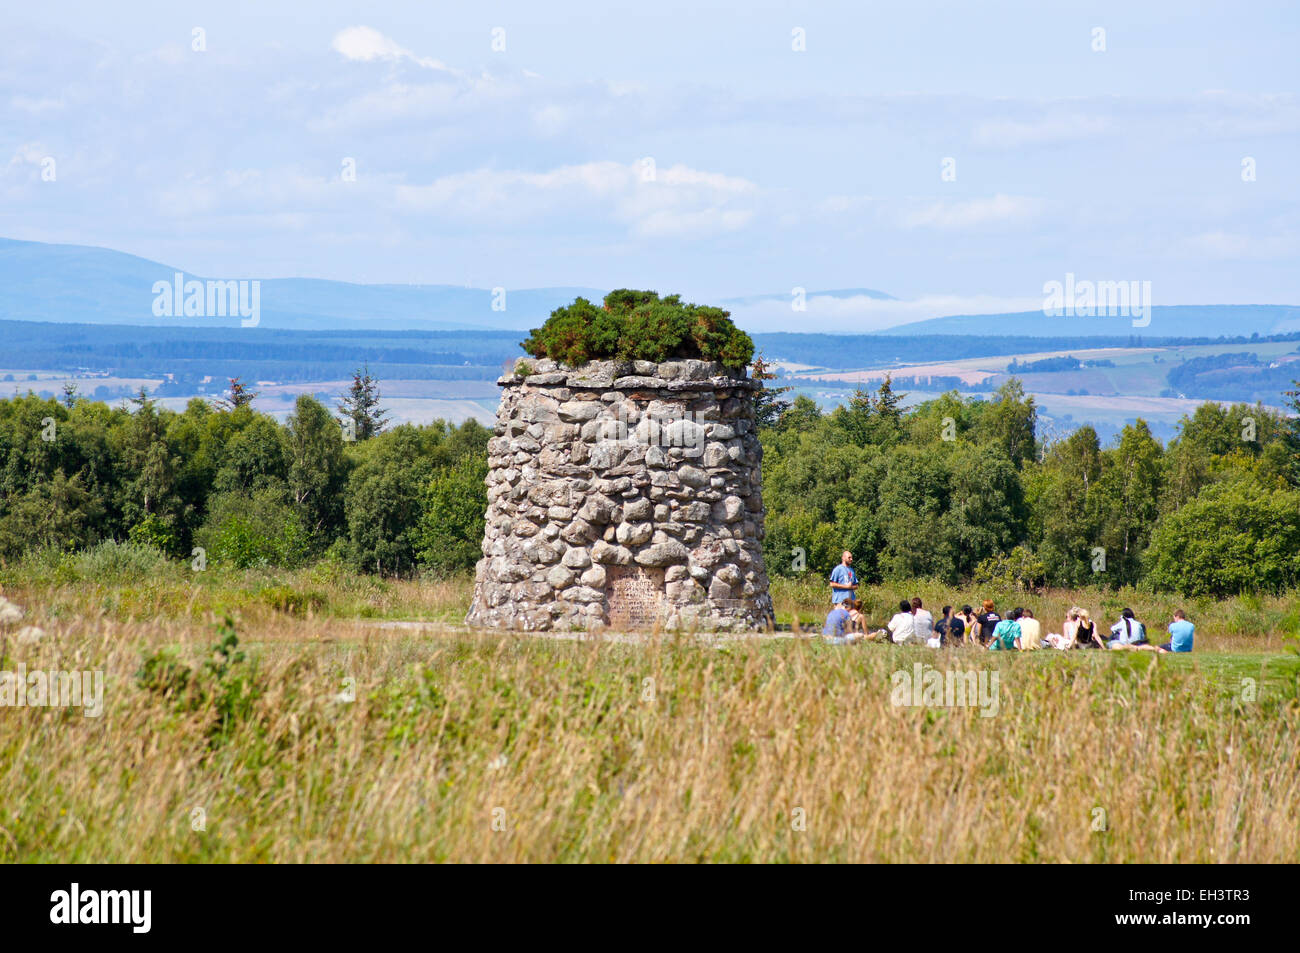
(844, 581)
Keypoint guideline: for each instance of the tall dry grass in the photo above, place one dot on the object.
(664, 751)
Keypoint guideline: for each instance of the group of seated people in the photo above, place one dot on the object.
(913, 624)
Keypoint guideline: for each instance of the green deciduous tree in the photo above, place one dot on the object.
(317, 471)
(1065, 508)
(384, 501)
(1289, 433)
(1129, 500)
(452, 519)
(253, 528)
(1235, 537)
(1010, 422)
(256, 457)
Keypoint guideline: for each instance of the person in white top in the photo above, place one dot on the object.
(902, 627)
(1065, 640)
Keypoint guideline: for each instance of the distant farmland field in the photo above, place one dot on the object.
(1107, 397)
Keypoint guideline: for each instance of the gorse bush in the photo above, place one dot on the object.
(639, 325)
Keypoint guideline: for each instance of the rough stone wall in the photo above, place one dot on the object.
(624, 494)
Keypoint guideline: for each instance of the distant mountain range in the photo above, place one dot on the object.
(89, 285)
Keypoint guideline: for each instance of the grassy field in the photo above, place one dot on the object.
(337, 730)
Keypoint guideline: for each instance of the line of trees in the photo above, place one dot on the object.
(1047, 365)
(959, 489)
(954, 489)
(240, 486)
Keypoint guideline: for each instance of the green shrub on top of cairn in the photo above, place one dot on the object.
(639, 326)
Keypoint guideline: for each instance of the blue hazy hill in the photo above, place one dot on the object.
(90, 285)
(84, 284)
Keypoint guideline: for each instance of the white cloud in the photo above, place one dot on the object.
(692, 224)
(972, 212)
(169, 54)
(839, 204)
(678, 202)
(551, 119)
(1048, 130)
(29, 153)
(366, 44)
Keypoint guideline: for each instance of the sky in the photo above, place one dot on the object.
(955, 156)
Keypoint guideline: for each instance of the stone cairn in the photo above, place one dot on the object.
(624, 495)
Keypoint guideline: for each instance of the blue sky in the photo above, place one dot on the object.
(774, 168)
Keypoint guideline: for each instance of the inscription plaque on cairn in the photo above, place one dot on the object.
(624, 495)
(634, 597)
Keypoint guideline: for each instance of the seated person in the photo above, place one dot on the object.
(922, 622)
(988, 621)
(837, 621)
(1127, 633)
(1006, 634)
(857, 621)
(1181, 634)
(1085, 633)
(1031, 631)
(950, 628)
(967, 617)
(902, 627)
(1068, 628)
